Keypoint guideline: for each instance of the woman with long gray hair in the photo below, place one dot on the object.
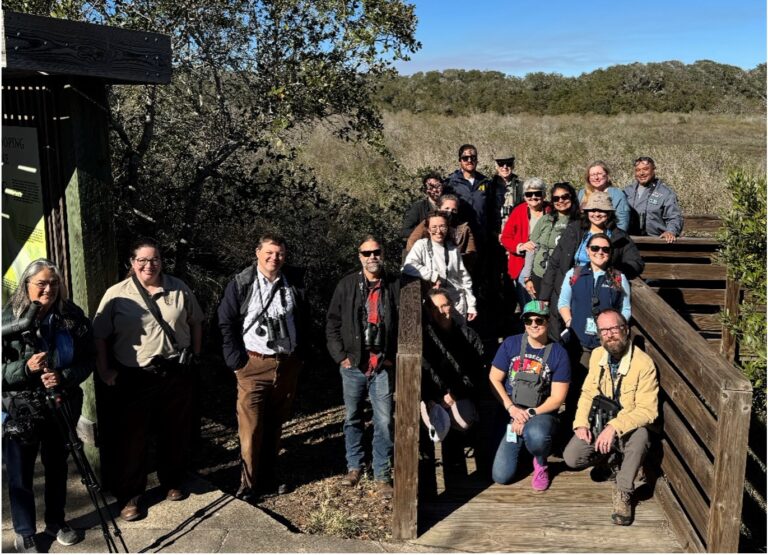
(58, 356)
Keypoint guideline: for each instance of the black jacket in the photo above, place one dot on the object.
(416, 214)
(344, 324)
(234, 307)
(451, 361)
(624, 257)
(16, 353)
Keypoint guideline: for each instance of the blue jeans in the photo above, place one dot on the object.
(536, 438)
(379, 388)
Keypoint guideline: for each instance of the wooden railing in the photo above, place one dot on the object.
(705, 406)
(688, 276)
(408, 396)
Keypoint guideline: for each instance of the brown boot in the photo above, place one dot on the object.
(622, 507)
(351, 479)
(384, 489)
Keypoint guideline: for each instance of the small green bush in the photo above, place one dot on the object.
(744, 243)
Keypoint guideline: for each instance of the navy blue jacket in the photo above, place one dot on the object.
(472, 195)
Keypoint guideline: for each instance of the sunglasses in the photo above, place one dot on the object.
(534, 320)
(505, 163)
(533, 194)
(468, 158)
(367, 254)
(561, 198)
(596, 248)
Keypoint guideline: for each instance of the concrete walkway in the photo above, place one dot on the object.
(208, 521)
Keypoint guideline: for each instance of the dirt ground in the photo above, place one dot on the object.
(311, 461)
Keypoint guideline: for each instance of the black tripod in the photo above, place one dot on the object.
(62, 413)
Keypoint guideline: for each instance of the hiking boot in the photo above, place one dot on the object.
(540, 480)
(25, 544)
(622, 507)
(351, 479)
(63, 533)
(384, 489)
(131, 511)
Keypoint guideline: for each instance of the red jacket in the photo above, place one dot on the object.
(517, 231)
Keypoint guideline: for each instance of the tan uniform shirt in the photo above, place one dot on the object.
(124, 320)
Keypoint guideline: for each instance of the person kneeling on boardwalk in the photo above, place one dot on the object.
(451, 365)
(618, 402)
(530, 376)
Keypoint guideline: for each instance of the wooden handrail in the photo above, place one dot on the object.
(408, 396)
(706, 407)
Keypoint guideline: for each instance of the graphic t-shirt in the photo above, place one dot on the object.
(507, 359)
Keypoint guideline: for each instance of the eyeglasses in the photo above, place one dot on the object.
(561, 198)
(596, 248)
(534, 321)
(646, 159)
(144, 261)
(596, 212)
(533, 194)
(434, 185)
(468, 158)
(42, 284)
(505, 163)
(601, 174)
(612, 330)
(368, 254)
(436, 228)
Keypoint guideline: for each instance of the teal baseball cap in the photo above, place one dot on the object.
(535, 307)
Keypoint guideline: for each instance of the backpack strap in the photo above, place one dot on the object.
(524, 345)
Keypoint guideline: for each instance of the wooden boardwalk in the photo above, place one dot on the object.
(574, 515)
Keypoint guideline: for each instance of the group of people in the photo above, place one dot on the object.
(476, 244)
(563, 260)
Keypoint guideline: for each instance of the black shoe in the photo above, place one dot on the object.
(273, 490)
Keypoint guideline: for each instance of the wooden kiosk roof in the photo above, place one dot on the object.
(34, 45)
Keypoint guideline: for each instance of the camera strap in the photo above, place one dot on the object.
(270, 298)
(524, 347)
(154, 310)
(616, 387)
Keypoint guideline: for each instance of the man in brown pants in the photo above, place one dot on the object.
(261, 318)
(623, 373)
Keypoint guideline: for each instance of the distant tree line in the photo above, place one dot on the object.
(704, 86)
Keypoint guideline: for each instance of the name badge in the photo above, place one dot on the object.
(590, 328)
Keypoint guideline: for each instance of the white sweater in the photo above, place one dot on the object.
(419, 263)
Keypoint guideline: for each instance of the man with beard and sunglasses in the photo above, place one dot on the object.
(361, 336)
(625, 374)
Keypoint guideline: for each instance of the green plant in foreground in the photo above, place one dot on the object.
(743, 252)
(332, 521)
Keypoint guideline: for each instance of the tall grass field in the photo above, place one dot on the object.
(693, 152)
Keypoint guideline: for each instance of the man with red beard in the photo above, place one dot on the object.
(625, 374)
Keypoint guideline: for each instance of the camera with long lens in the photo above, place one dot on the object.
(373, 336)
(274, 328)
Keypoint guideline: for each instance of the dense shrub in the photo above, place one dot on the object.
(743, 252)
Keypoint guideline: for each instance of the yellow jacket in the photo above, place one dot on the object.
(639, 391)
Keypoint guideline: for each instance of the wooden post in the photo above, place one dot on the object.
(408, 396)
(728, 342)
(730, 466)
(85, 170)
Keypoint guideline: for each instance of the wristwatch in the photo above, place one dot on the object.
(531, 412)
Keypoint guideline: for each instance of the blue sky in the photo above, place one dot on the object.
(571, 37)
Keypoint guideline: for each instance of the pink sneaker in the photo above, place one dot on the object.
(540, 480)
